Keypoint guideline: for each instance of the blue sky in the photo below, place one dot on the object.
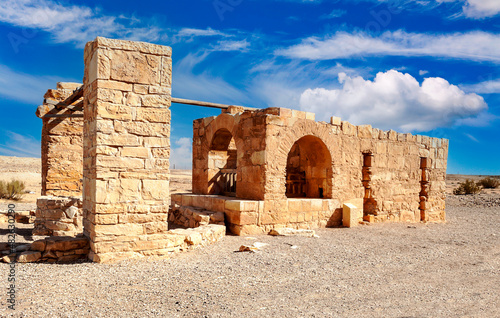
(428, 67)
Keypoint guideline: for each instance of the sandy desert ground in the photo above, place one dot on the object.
(381, 270)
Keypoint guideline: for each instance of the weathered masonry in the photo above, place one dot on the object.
(278, 167)
(105, 164)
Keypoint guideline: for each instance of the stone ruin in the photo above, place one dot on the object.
(105, 165)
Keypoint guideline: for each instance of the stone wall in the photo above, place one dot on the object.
(70, 249)
(61, 143)
(248, 217)
(191, 217)
(126, 149)
(249, 133)
(58, 216)
(389, 175)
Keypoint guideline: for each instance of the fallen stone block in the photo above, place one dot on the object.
(248, 248)
(29, 257)
(349, 215)
(9, 258)
(292, 232)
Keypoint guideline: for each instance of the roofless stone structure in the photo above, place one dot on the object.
(105, 165)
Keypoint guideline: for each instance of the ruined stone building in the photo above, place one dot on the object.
(105, 164)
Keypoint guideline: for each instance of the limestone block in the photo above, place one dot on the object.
(310, 116)
(66, 244)
(258, 158)
(68, 85)
(156, 100)
(365, 131)
(112, 110)
(99, 66)
(137, 152)
(350, 215)
(348, 129)
(245, 230)
(154, 115)
(71, 212)
(120, 86)
(119, 229)
(156, 142)
(292, 232)
(29, 257)
(155, 189)
(217, 217)
(298, 114)
(38, 245)
(232, 205)
(134, 67)
(337, 121)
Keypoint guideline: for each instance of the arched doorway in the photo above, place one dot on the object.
(222, 164)
(308, 169)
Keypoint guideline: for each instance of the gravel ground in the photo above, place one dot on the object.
(382, 270)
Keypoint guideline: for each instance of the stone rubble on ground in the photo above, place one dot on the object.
(292, 232)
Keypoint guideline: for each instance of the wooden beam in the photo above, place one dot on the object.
(63, 116)
(77, 94)
(61, 104)
(206, 104)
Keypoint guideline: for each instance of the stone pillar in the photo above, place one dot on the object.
(61, 143)
(126, 148)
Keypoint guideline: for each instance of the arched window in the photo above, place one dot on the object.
(308, 169)
(222, 164)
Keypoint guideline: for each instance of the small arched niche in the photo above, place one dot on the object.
(222, 164)
(308, 169)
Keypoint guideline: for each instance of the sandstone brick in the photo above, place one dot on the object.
(156, 100)
(134, 67)
(337, 121)
(121, 86)
(137, 152)
(119, 229)
(350, 215)
(154, 115)
(29, 257)
(155, 189)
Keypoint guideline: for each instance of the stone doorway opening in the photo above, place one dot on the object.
(309, 169)
(222, 158)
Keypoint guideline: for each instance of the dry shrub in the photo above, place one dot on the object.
(467, 187)
(489, 183)
(12, 190)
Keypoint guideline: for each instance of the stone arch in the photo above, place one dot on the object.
(221, 156)
(223, 121)
(323, 132)
(308, 169)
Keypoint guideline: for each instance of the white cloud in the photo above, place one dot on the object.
(422, 72)
(486, 87)
(482, 8)
(336, 13)
(24, 87)
(226, 46)
(477, 9)
(476, 46)
(20, 146)
(75, 24)
(471, 137)
(181, 154)
(190, 32)
(394, 100)
(280, 85)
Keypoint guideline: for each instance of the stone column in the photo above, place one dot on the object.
(126, 148)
